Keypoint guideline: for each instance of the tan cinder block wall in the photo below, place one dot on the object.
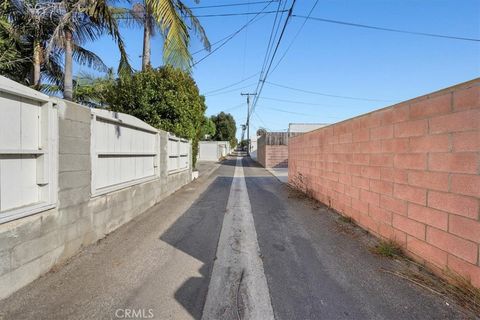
(276, 156)
(272, 150)
(31, 246)
(261, 151)
(409, 172)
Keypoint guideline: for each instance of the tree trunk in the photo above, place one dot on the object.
(146, 40)
(37, 60)
(68, 76)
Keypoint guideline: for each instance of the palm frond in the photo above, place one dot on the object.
(175, 32)
(88, 58)
(195, 24)
(103, 15)
(53, 70)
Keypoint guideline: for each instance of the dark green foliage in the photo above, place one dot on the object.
(166, 98)
(225, 128)
(90, 90)
(208, 129)
(261, 132)
(243, 144)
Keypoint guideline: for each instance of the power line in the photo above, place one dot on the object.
(230, 85)
(233, 90)
(230, 35)
(270, 39)
(270, 42)
(234, 14)
(233, 34)
(289, 112)
(235, 107)
(327, 94)
(229, 5)
(273, 55)
(303, 102)
(358, 25)
(298, 113)
(295, 37)
(261, 120)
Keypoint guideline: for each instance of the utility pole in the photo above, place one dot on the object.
(248, 118)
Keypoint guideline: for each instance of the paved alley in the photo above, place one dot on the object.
(234, 244)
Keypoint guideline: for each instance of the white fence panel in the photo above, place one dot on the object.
(173, 153)
(28, 151)
(213, 150)
(178, 154)
(184, 154)
(124, 151)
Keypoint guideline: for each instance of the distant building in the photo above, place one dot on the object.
(305, 127)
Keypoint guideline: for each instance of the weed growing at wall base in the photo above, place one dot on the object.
(388, 249)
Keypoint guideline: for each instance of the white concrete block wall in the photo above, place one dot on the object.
(28, 143)
(30, 246)
(213, 150)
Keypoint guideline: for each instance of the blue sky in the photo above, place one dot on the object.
(328, 58)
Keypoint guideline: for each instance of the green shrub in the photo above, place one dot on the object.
(166, 98)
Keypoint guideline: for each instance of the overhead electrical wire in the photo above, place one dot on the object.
(297, 113)
(235, 107)
(286, 111)
(232, 90)
(262, 81)
(231, 85)
(327, 94)
(270, 40)
(261, 120)
(295, 37)
(358, 25)
(302, 102)
(228, 5)
(233, 14)
(233, 35)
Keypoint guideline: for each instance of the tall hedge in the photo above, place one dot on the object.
(226, 128)
(166, 98)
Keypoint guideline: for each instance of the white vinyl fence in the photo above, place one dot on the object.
(78, 174)
(213, 150)
(28, 151)
(178, 154)
(124, 151)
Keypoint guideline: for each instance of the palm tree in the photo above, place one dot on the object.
(80, 21)
(28, 26)
(12, 62)
(25, 28)
(173, 19)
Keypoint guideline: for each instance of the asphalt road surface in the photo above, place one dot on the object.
(234, 244)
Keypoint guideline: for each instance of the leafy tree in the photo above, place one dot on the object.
(166, 98)
(208, 129)
(226, 128)
(244, 144)
(174, 20)
(261, 131)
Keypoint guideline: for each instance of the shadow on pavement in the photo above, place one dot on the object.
(196, 233)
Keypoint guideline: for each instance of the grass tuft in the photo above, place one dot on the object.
(345, 219)
(388, 249)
